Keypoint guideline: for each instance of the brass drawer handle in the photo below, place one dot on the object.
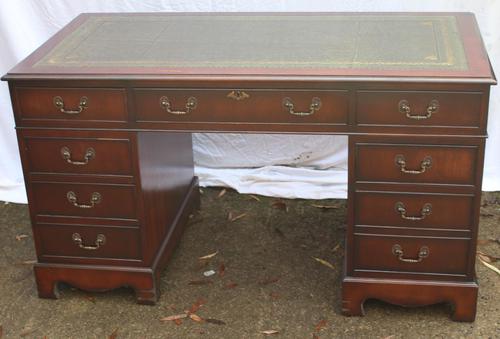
(59, 103)
(190, 105)
(95, 199)
(424, 165)
(423, 253)
(404, 107)
(424, 212)
(66, 155)
(99, 241)
(315, 106)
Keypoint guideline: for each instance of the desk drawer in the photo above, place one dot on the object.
(78, 155)
(75, 104)
(84, 200)
(55, 240)
(416, 163)
(414, 210)
(394, 254)
(246, 106)
(419, 108)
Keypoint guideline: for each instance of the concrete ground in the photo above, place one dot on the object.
(266, 280)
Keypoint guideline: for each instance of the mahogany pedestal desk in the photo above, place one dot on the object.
(105, 110)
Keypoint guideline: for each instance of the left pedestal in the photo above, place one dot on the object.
(107, 207)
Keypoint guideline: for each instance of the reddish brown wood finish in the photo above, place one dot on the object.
(144, 168)
(102, 104)
(448, 211)
(374, 253)
(117, 201)
(450, 164)
(55, 241)
(261, 106)
(110, 156)
(381, 108)
(462, 296)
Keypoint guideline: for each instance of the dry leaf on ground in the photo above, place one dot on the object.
(27, 332)
(20, 237)
(221, 193)
(231, 218)
(269, 281)
(113, 335)
(490, 266)
(197, 305)
(214, 321)
(326, 207)
(270, 332)
(178, 322)
(486, 215)
(196, 318)
(208, 256)
(324, 262)
(254, 197)
(230, 285)
(279, 232)
(29, 262)
(336, 248)
(486, 257)
(174, 317)
(222, 270)
(320, 325)
(488, 241)
(280, 204)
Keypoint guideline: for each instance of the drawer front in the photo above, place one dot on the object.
(414, 210)
(54, 240)
(84, 200)
(78, 104)
(248, 106)
(78, 155)
(415, 163)
(439, 256)
(419, 108)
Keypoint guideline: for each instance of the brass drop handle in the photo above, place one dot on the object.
(423, 253)
(99, 241)
(424, 212)
(95, 199)
(289, 106)
(66, 155)
(432, 107)
(59, 103)
(190, 105)
(401, 163)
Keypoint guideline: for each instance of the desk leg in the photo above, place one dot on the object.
(462, 296)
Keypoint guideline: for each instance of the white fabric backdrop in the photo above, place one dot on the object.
(275, 165)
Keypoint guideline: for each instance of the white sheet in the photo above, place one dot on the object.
(276, 165)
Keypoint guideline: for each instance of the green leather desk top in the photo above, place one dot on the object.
(349, 44)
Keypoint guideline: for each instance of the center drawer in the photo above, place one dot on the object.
(244, 106)
(84, 200)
